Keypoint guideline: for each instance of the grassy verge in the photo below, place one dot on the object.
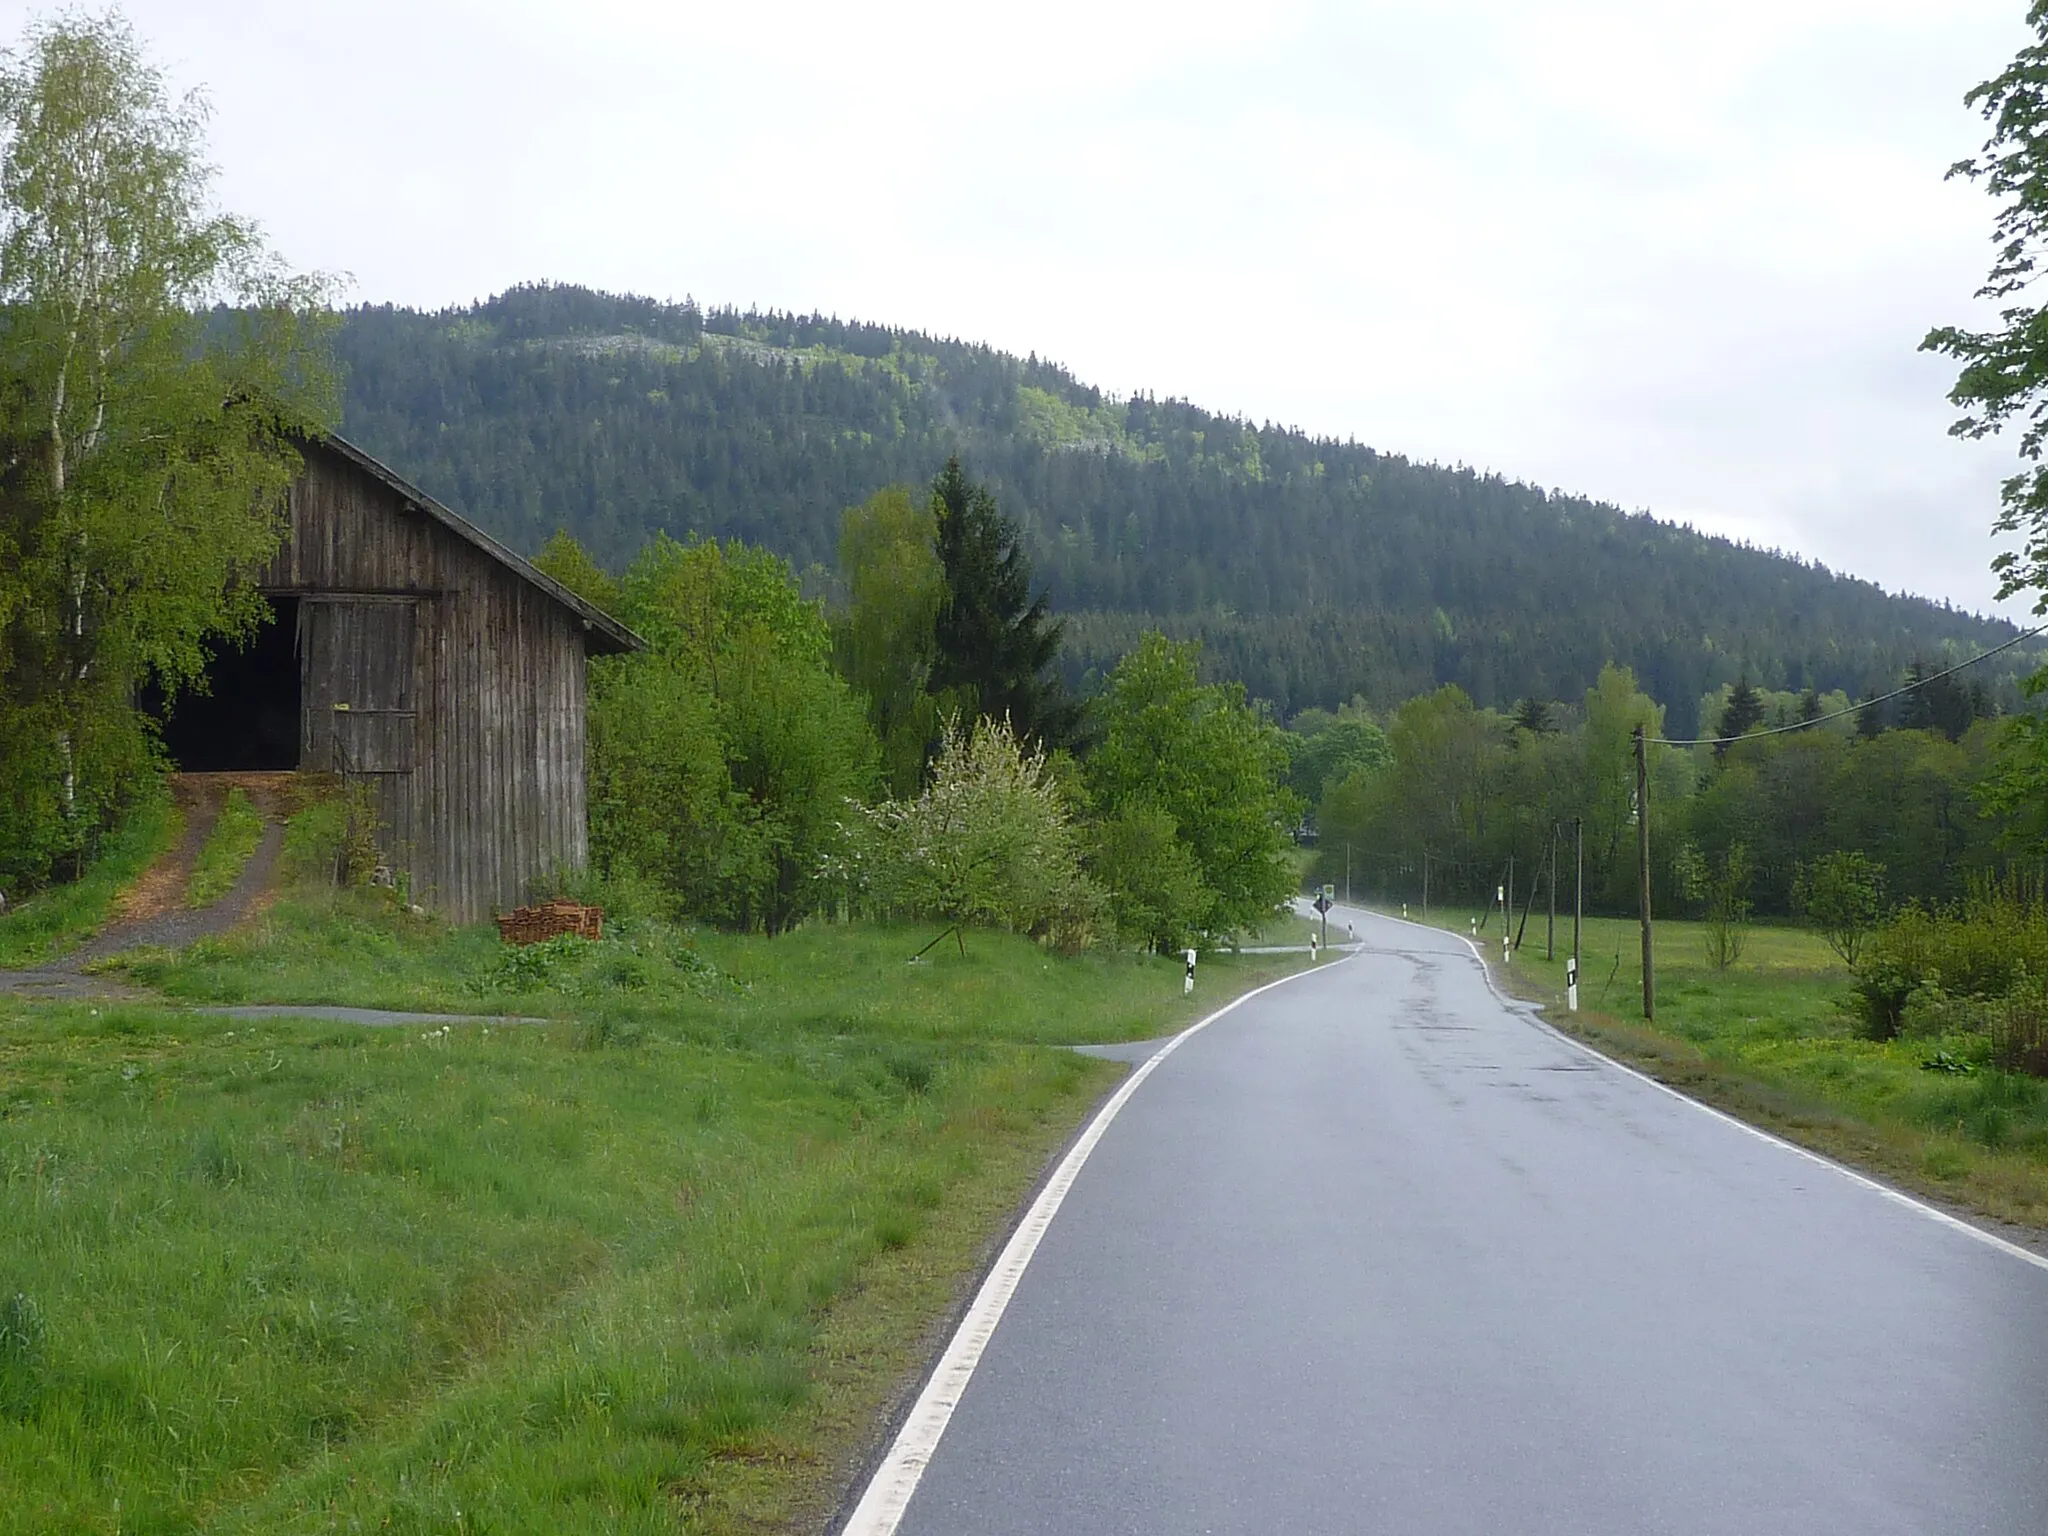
(58, 920)
(1767, 1040)
(1290, 928)
(658, 1265)
(228, 847)
(832, 979)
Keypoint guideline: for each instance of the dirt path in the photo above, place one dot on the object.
(162, 886)
(152, 911)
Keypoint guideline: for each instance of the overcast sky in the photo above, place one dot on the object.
(1677, 256)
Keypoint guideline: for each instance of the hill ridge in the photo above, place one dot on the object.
(1312, 567)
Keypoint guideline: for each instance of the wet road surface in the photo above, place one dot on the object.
(1377, 1253)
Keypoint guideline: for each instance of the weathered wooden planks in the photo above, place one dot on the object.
(443, 674)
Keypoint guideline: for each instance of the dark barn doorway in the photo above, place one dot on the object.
(250, 719)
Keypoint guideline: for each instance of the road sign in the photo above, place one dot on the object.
(1323, 904)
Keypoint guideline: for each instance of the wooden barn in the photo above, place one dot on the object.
(414, 653)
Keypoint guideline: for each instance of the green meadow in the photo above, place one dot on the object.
(659, 1261)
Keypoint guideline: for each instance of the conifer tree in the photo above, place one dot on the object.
(1743, 712)
(996, 644)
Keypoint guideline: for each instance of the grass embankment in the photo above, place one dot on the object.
(228, 848)
(1771, 1041)
(660, 1265)
(56, 921)
(853, 979)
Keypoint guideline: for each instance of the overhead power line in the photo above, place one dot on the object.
(1853, 709)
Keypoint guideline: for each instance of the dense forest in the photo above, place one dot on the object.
(1311, 570)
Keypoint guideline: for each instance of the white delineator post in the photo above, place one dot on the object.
(1187, 985)
(1571, 985)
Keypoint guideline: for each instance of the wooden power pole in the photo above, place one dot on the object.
(1578, 902)
(1550, 926)
(1643, 867)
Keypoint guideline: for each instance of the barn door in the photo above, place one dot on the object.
(359, 658)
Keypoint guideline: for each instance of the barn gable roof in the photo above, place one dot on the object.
(603, 634)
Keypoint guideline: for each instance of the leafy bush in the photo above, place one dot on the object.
(721, 756)
(332, 836)
(1155, 889)
(1203, 755)
(1929, 1013)
(635, 955)
(988, 842)
(33, 930)
(2019, 1028)
(1722, 890)
(533, 967)
(1981, 950)
(1842, 895)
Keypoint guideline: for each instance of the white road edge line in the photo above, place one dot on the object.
(888, 1492)
(1897, 1197)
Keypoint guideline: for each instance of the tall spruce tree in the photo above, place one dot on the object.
(997, 645)
(1743, 712)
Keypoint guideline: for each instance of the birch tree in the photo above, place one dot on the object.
(156, 366)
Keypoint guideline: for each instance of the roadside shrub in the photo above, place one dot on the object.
(989, 841)
(1929, 1013)
(1722, 890)
(332, 837)
(530, 967)
(1980, 950)
(1156, 894)
(1842, 895)
(636, 955)
(2019, 1028)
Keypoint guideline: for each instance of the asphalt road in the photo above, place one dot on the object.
(1377, 1253)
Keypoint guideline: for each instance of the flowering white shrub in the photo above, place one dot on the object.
(989, 841)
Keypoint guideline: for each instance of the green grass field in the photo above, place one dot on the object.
(55, 921)
(856, 979)
(658, 1264)
(1770, 1039)
(236, 832)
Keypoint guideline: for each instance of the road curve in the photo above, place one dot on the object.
(1377, 1252)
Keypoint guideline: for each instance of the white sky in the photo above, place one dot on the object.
(1675, 255)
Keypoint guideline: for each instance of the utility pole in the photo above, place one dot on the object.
(1347, 874)
(1643, 867)
(1507, 913)
(1550, 928)
(1578, 901)
(1425, 885)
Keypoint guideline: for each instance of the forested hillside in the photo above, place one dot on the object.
(1312, 570)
